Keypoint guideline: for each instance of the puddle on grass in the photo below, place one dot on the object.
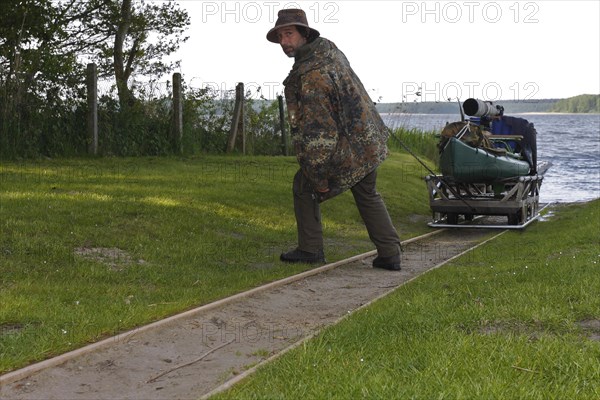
(16, 328)
(11, 329)
(548, 212)
(113, 257)
(533, 333)
(591, 327)
(547, 216)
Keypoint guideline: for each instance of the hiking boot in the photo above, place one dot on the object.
(301, 256)
(391, 263)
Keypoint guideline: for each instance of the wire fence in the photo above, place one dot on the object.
(57, 122)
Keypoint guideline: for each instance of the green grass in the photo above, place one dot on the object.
(188, 231)
(515, 319)
(424, 144)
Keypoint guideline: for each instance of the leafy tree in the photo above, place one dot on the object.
(123, 36)
(42, 39)
(140, 36)
(38, 64)
(44, 44)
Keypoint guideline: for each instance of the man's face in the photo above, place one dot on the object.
(290, 40)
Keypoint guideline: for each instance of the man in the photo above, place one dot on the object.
(339, 139)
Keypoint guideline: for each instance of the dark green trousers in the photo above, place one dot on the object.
(370, 206)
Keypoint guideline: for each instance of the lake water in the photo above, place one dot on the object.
(570, 141)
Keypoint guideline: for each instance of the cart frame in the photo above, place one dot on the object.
(516, 198)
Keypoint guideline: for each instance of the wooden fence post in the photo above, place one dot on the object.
(177, 132)
(237, 122)
(284, 137)
(92, 102)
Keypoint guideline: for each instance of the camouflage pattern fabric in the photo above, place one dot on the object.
(475, 136)
(338, 135)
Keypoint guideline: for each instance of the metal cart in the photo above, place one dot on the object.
(459, 205)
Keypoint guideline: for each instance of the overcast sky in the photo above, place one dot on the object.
(509, 50)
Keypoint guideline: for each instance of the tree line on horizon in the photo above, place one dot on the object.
(585, 103)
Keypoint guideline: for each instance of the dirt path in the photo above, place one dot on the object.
(190, 356)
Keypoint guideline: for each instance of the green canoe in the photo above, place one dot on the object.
(475, 165)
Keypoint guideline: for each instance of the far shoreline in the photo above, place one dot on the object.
(521, 113)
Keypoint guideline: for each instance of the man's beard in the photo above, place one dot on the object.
(289, 51)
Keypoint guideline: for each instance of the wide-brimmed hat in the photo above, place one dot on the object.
(288, 17)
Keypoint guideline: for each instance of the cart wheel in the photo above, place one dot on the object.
(515, 218)
(452, 218)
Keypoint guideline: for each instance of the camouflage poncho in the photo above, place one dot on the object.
(338, 135)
